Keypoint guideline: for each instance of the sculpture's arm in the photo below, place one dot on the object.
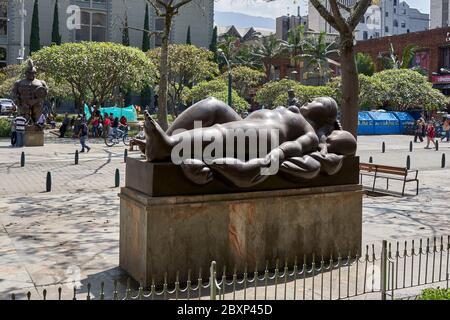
(305, 144)
(15, 93)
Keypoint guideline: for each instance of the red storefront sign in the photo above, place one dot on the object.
(440, 79)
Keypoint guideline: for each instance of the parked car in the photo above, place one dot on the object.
(7, 106)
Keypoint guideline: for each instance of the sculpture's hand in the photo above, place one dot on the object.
(323, 146)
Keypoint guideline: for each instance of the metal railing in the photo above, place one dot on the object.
(416, 264)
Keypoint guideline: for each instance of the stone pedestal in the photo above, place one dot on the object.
(181, 233)
(34, 137)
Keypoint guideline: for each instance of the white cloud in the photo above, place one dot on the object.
(280, 7)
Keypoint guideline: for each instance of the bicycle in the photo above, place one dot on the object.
(115, 137)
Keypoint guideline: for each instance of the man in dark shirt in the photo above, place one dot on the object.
(83, 137)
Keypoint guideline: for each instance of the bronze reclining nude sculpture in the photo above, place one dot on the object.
(308, 141)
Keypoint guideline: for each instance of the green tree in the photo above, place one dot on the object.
(267, 51)
(167, 10)
(56, 36)
(187, 65)
(373, 93)
(94, 70)
(213, 45)
(188, 36)
(217, 88)
(146, 37)
(244, 79)
(317, 54)
(305, 94)
(296, 40)
(270, 91)
(409, 89)
(364, 64)
(35, 42)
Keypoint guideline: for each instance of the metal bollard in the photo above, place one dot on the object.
(437, 145)
(125, 156)
(49, 182)
(443, 161)
(408, 162)
(117, 178)
(411, 146)
(77, 157)
(383, 147)
(22, 160)
(371, 160)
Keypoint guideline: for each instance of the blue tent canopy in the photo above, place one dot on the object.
(385, 123)
(128, 112)
(406, 122)
(365, 124)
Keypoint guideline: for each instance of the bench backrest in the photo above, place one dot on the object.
(370, 167)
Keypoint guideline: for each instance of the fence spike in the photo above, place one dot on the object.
(59, 293)
(102, 291)
(44, 294)
(13, 296)
(74, 292)
(29, 295)
(88, 291)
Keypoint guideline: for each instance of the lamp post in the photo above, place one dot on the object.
(23, 14)
(230, 78)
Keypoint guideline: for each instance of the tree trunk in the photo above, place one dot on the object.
(350, 85)
(164, 74)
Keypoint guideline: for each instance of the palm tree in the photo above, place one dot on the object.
(393, 62)
(316, 54)
(267, 51)
(296, 40)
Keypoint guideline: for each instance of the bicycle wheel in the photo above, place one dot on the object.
(126, 140)
(110, 141)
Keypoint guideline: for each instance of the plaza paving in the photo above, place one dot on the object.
(72, 233)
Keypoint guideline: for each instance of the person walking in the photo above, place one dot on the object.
(84, 132)
(431, 134)
(20, 123)
(419, 131)
(446, 129)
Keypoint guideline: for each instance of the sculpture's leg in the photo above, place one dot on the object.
(159, 144)
(207, 112)
(241, 174)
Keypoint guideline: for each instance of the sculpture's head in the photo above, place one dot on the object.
(31, 70)
(322, 111)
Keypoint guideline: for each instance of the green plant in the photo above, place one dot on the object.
(5, 127)
(435, 294)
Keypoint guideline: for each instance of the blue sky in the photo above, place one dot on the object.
(280, 7)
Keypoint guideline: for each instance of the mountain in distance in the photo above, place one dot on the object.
(240, 20)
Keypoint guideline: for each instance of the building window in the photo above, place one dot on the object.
(395, 24)
(3, 57)
(93, 26)
(386, 29)
(403, 24)
(365, 35)
(3, 17)
(386, 14)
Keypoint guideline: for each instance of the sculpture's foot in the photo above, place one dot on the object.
(330, 163)
(303, 168)
(241, 174)
(197, 171)
(159, 144)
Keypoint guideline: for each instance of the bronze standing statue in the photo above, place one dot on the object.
(308, 141)
(29, 94)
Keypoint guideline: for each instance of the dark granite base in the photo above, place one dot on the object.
(167, 179)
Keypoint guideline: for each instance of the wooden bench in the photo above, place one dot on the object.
(389, 173)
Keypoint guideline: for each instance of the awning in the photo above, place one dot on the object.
(441, 86)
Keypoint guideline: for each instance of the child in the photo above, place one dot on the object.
(83, 137)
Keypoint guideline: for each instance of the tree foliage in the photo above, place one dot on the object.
(270, 91)
(35, 42)
(217, 88)
(96, 70)
(397, 89)
(365, 64)
(305, 94)
(56, 36)
(244, 79)
(187, 65)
